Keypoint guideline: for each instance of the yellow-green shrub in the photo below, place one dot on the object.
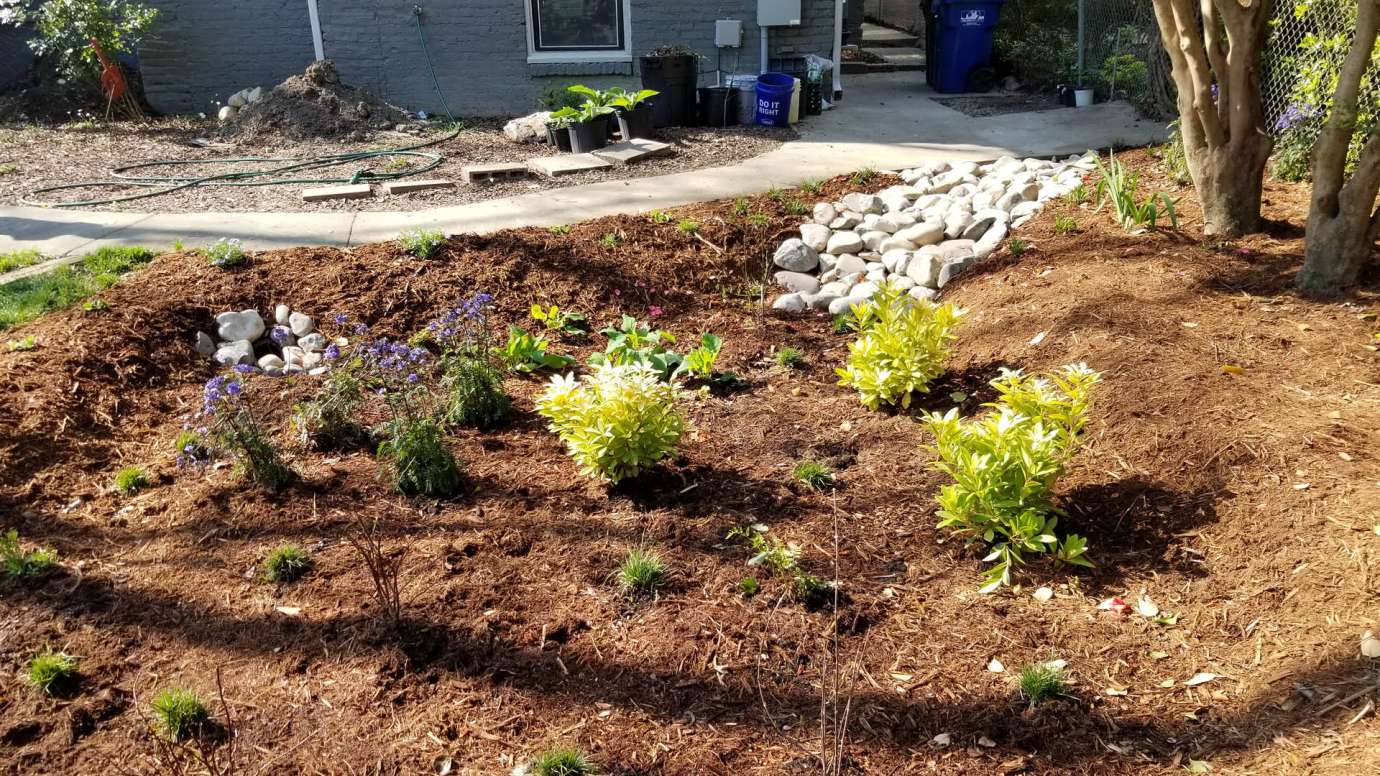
(903, 346)
(1006, 463)
(615, 422)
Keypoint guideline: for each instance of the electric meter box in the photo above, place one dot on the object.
(778, 13)
(728, 33)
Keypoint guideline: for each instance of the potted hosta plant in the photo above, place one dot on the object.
(589, 123)
(634, 111)
(558, 131)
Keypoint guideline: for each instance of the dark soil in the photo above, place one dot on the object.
(1000, 105)
(1243, 501)
(314, 104)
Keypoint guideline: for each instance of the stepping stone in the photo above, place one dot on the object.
(488, 173)
(405, 186)
(358, 191)
(633, 151)
(567, 164)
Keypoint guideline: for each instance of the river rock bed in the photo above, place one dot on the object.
(292, 345)
(917, 235)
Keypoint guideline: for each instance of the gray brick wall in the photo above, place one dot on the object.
(207, 49)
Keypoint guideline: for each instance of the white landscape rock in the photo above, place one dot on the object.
(825, 213)
(237, 352)
(800, 282)
(312, 343)
(863, 203)
(528, 129)
(842, 242)
(301, 324)
(205, 344)
(925, 233)
(243, 325)
(791, 303)
(923, 268)
(796, 256)
(815, 236)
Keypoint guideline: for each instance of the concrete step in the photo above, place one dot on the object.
(875, 35)
(893, 60)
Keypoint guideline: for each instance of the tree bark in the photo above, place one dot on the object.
(1214, 49)
(1342, 220)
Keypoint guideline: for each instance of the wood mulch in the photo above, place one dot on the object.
(1229, 474)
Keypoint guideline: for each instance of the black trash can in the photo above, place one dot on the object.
(675, 77)
(719, 106)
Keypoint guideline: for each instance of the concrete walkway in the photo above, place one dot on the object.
(886, 121)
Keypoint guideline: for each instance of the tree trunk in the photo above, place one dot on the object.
(1229, 181)
(1337, 250)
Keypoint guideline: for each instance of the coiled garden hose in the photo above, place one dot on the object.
(160, 185)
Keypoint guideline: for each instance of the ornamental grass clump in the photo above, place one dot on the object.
(616, 422)
(131, 480)
(232, 430)
(420, 464)
(1039, 682)
(903, 346)
(286, 563)
(180, 713)
(562, 762)
(17, 562)
(641, 573)
(1005, 466)
(51, 672)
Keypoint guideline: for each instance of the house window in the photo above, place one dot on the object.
(566, 30)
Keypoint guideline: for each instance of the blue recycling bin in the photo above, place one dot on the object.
(962, 41)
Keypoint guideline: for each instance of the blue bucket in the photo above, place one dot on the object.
(774, 91)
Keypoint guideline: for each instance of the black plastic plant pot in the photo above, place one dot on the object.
(636, 122)
(675, 78)
(589, 135)
(718, 106)
(559, 137)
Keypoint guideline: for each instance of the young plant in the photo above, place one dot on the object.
(422, 243)
(225, 252)
(791, 358)
(625, 100)
(1065, 225)
(562, 762)
(233, 430)
(180, 713)
(811, 186)
(1016, 246)
(862, 176)
(1078, 195)
(759, 220)
(559, 229)
(1005, 466)
(419, 462)
(474, 393)
(741, 207)
(286, 563)
(783, 560)
(660, 217)
(748, 587)
(131, 480)
(775, 195)
(1117, 186)
(616, 422)
(700, 361)
(556, 319)
(797, 207)
(610, 240)
(18, 563)
(22, 344)
(330, 420)
(641, 573)
(383, 567)
(630, 342)
(815, 475)
(1039, 682)
(903, 346)
(688, 226)
(525, 352)
(51, 672)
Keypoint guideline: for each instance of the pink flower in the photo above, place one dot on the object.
(616, 292)
(654, 311)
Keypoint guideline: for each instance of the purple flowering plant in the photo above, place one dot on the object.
(464, 329)
(229, 427)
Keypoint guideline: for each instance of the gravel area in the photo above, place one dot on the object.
(51, 156)
(998, 105)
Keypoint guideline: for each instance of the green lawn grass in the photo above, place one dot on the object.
(24, 300)
(9, 261)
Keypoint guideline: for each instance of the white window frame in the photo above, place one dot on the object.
(605, 55)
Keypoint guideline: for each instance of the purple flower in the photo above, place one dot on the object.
(412, 377)
(332, 352)
(280, 334)
(244, 369)
(1294, 115)
(340, 319)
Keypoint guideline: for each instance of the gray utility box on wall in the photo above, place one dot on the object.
(778, 13)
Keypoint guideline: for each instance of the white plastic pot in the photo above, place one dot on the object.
(1082, 97)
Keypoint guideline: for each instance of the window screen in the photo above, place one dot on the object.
(577, 25)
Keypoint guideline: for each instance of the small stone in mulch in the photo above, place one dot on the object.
(488, 173)
(405, 186)
(357, 191)
(566, 164)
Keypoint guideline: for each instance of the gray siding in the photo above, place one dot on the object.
(900, 14)
(206, 50)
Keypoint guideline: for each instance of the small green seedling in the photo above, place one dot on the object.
(811, 186)
(562, 762)
(797, 207)
(774, 194)
(524, 352)
(1078, 195)
(422, 243)
(95, 305)
(131, 480)
(641, 573)
(1039, 682)
(53, 673)
(18, 563)
(660, 217)
(815, 475)
(688, 226)
(863, 176)
(286, 563)
(180, 713)
(559, 229)
(791, 358)
(556, 319)
(759, 220)
(1016, 246)
(610, 240)
(225, 252)
(748, 587)
(24, 343)
(741, 207)
(1065, 225)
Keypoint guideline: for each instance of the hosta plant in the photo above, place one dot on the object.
(631, 342)
(524, 352)
(903, 345)
(615, 422)
(1006, 463)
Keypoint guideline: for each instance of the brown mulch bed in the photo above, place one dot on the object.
(53, 156)
(1242, 501)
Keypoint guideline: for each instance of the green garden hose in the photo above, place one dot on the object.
(166, 184)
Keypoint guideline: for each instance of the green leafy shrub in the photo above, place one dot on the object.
(51, 672)
(286, 563)
(815, 475)
(631, 342)
(903, 346)
(422, 243)
(18, 563)
(413, 447)
(225, 252)
(791, 358)
(1005, 466)
(616, 422)
(474, 393)
(235, 432)
(641, 573)
(1039, 682)
(1040, 42)
(66, 27)
(524, 352)
(131, 480)
(180, 713)
(1125, 76)
(1117, 187)
(562, 762)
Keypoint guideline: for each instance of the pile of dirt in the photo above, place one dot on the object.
(314, 104)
